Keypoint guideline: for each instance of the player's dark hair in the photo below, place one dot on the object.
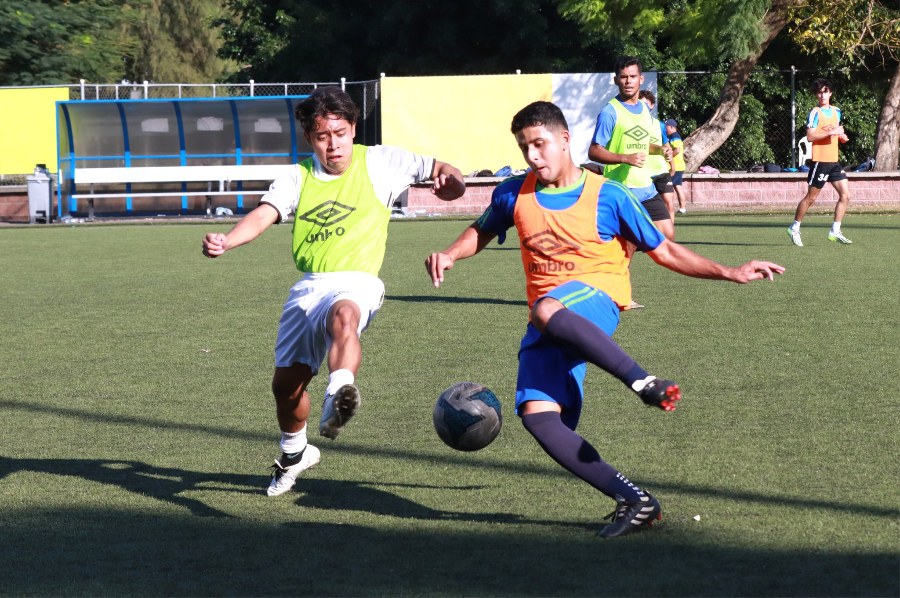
(647, 94)
(538, 114)
(322, 102)
(623, 62)
(819, 83)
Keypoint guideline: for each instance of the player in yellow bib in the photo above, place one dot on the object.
(825, 130)
(662, 169)
(678, 165)
(572, 227)
(341, 200)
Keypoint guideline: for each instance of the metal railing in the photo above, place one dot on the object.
(772, 112)
(365, 93)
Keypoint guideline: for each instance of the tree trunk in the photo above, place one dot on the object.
(887, 143)
(710, 136)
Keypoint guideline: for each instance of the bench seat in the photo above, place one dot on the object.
(222, 176)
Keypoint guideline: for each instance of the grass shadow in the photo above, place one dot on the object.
(106, 552)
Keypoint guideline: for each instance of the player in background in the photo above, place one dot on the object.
(573, 226)
(678, 166)
(825, 130)
(622, 142)
(661, 168)
(341, 199)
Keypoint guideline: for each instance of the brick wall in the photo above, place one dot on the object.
(782, 191)
(731, 191)
(14, 204)
(728, 191)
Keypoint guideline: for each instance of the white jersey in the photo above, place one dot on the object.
(391, 169)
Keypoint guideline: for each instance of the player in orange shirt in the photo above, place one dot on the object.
(825, 130)
(573, 226)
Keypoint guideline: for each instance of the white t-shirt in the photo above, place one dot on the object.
(391, 170)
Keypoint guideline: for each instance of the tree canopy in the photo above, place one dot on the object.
(61, 41)
(58, 42)
(321, 40)
(55, 41)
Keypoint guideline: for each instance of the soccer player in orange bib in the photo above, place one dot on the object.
(572, 227)
(825, 130)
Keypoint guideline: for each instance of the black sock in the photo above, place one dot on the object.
(590, 342)
(578, 456)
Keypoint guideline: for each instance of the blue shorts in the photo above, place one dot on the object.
(678, 177)
(550, 372)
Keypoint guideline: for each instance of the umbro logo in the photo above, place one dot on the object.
(637, 133)
(548, 244)
(327, 213)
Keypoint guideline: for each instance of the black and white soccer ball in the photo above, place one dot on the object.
(467, 416)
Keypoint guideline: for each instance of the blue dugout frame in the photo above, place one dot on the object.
(69, 158)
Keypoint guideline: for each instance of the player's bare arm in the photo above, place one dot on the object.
(598, 153)
(248, 228)
(679, 258)
(470, 241)
(825, 132)
(661, 150)
(448, 181)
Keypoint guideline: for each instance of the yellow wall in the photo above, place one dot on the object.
(28, 128)
(461, 120)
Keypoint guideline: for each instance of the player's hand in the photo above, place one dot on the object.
(636, 159)
(448, 187)
(214, 244)
(668, 154)
(843, 138)
(435, 264)
(756, 270)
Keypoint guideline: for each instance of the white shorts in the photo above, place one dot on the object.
(302, 336)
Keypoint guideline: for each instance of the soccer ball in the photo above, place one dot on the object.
(467, 416)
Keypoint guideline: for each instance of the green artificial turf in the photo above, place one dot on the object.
(137, 425)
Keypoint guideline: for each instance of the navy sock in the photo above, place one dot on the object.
(590, 342)
(577, 455)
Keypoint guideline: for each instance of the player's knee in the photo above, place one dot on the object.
(344, 318)
(286, 392)
(543, 310)
(289, 384)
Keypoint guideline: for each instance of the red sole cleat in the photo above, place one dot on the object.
(674, 395)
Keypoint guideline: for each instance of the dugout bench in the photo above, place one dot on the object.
(219, 180)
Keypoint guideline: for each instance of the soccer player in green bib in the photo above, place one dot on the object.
(341, 199)
(623, 142)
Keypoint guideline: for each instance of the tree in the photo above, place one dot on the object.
(52, 41)
(175, 42)
(703, 32)
(321, 40)
(850, 32)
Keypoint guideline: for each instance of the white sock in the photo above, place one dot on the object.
(795, 225)
(836, 228)
(337, 379)
(638, 385)
(293, 442)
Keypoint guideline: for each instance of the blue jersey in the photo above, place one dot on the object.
(606, 122)
(812, 121)
(619, 213)
(663, 135)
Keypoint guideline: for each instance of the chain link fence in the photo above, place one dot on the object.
(364, 93)
(773, 112)
(773, 109)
